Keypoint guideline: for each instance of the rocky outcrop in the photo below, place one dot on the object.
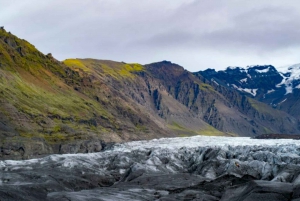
(277, 136)
(24, 148)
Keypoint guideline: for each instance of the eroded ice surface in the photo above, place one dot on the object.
(153, 170)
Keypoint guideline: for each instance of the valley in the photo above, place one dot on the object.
(155, 100)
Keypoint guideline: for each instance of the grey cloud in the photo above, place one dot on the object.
(264, 29)
(192, 33)
(268, 29)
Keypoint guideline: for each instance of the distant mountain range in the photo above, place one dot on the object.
(82, 105)
(278, 88)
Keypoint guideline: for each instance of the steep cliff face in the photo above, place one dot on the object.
(222, 108)
(143, 90)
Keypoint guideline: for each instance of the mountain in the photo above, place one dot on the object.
(83, 105)
(278, 88)
(225, 110)
(49, 107)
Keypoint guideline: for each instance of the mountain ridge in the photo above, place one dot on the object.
(278, 88)
(81, 105)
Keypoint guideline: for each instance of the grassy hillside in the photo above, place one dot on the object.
(48, 103)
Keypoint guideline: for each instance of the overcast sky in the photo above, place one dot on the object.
(194, 34)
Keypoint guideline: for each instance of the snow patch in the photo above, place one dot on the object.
(250, 91)
(214, 81)
(244, 80)
(232, 67)
(282, 101)
(263, 71)
(242, 70)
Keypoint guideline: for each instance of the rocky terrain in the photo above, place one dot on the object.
(277, 136)
(82, 105)
(192, 168)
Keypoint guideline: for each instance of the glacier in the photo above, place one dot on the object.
(185, 168)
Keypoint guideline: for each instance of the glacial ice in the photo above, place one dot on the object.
(160, 166)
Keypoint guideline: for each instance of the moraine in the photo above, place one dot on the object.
(193, 168)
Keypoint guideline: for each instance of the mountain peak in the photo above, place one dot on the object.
(164, 63)
(249, 80)
(165, 69)
(13, 48)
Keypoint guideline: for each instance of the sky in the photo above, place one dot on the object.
(194, 34)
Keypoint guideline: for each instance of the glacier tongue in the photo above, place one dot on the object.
(162, 169)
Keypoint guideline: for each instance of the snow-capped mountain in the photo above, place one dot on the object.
(265, 83)
(291, 77)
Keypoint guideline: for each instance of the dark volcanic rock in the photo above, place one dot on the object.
(259, 190)
(277, 136)
(81, 147)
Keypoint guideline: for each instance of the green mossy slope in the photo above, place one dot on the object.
(56, 103)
